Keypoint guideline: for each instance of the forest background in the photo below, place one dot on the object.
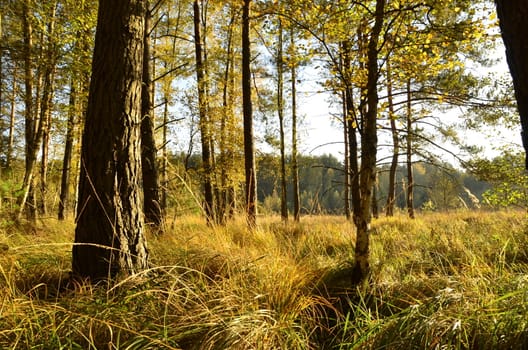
(452, 99)
(410, 72)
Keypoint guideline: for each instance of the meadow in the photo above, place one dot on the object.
(456, 280)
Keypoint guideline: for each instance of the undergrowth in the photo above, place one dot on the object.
(442, 281)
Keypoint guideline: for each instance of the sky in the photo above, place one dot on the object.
(320, 133)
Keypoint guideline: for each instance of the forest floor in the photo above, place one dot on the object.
(455, 280)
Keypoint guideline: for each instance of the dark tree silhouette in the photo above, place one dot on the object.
(109, 235)
(514, 27)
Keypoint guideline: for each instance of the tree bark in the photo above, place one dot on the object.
(30, 121)
(205, 131)
(226, 198)
(12, 118)
(295, 165)
(280, 112)
(410, 175)
(46, 107)
(165, 155)
(151, 198)
(391, 196)
(109, 236)
(346, 167)
(351, 125)
(247, 107)
(369, 143)
(68, 151)
(514, 27)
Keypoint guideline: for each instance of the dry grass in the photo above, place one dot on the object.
(455, 280)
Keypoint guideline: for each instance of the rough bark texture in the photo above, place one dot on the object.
(109, 234)
(514, 27)
(249, 143)
(369, 143)
(151, 199)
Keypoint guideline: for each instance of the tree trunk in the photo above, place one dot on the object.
(46, 105)
(514, 27)
(351, 130)
(165, 160)
(68, 150)
(151, 200)
(391, 196)
(226, 198)
(109, 236)
(205, 131)
(30, 121)
(369, 143)
(374, 202)
(346, 167)
(12, 118)
(249, 143)
(410, 176)
(295, 166)
(280, 111)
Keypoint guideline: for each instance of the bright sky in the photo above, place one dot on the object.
(321, 134)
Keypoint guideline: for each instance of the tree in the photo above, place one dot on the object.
(149, 162)
(205, 125)
(505, 174)
(369, 142)
(512, 16)
(391, 195)
(249, 143)
(280, 112)
(78, 74)
(109, 236)
(295, 165)
(31, 135)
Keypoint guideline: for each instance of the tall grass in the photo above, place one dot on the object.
(443, 281)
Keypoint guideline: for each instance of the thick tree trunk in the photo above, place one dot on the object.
(391, 196)
(109, 235)
(369, 143)
(514, 27)
(280, 111)
(410, 175)
(149, 163)
(249, 143)
(205, 131)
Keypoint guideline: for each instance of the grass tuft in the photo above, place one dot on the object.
(442, 281)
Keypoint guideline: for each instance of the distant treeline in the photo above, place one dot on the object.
(322, 190)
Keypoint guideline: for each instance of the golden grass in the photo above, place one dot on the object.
(445, 280)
